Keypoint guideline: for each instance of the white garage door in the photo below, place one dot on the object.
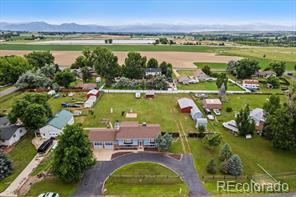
(98, 145)
(108, 145)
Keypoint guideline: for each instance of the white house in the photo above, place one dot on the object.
(56, 125)
(201, 122)
(152, 71)
(10, 133)
(251, 84)
(195, 113)
(90, 102)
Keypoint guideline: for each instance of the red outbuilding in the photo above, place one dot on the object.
(185, 104)
(93, 92)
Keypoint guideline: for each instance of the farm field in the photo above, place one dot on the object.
(167, 182)
(177, 59)
(162, 109)
(213, 66)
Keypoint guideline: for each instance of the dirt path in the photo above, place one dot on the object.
(177, 59)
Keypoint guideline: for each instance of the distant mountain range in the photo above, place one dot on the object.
(149, 28)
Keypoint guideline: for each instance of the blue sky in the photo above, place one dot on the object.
(150, 11)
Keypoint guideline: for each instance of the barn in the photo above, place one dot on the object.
(212, 103)
(93, 92)
(185, 104)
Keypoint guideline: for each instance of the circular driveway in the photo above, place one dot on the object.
(93, 180)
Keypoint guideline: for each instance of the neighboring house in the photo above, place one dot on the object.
(193, 80)
(152, 72)
(183, 80)
(231, 125)
(257, 115)
(201, 122)
(251, 84)
(265, 74)
(201, 75)
(4, 121)
(212, 103)
(125, 135)
(56, 125)
(10, 134)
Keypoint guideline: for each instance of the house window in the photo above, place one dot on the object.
(21, 130)
(98, 143)
(152, 141)
(14, 135)
(128, 141)
(108, 143)
(3, 140)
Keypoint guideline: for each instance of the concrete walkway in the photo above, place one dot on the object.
(93, 180)
(8, 91)
(22, 177)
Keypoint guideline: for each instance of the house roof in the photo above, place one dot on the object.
(195, 110)
(7, 131)
(4, 121)
(185, 102)
(183, 78)
(140, 131)
(102, 134)
(60, 119)
(93, 91)
(231, 125)
(212, 101)
(250, 81)
(199, 73)
(87, 85)
(257, 115)
(154, 70)
(127, 130)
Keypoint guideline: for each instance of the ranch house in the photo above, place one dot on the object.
(125, 135)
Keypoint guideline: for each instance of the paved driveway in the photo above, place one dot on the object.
(93, 180)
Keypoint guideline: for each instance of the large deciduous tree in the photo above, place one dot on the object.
(73, 155)
(64, 78)
(32, 110)
(152, 63)
(245, 68)
(278, 67)
(40, 58)
(244, 123)
(134, 66)
(11, 67)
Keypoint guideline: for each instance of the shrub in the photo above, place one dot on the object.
(226, 152)
(228, 109)
(233, 166)
(211, 167)
(5, 166)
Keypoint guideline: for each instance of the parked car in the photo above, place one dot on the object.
(211, 117)
(290, 73)
(49, 194)
(207, 111)
(217, 112)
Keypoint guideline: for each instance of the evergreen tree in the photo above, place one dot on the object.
(163, 142)
(233, 166)
(5, 166)
(73, 155)
(226, 152)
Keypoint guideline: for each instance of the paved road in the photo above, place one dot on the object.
(8, 91)
(93, 180)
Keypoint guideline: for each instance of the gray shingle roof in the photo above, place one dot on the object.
(7, 131)
(185, 102)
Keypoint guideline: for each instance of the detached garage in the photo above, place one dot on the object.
(102, 138)
(185, 104)
(212, 103)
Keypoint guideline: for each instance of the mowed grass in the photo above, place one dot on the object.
(6, 102)
(20, 156)
(161, 110)
(253, 151)
(167, 183)
(52, 184)
(208, 85)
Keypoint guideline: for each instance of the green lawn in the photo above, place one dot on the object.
(252, 152)
(52, 185)
(21, 156)
(167, 183)
(5, 87)
(214, 66)
(6, 102)
(162, 109)
(208, 85)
